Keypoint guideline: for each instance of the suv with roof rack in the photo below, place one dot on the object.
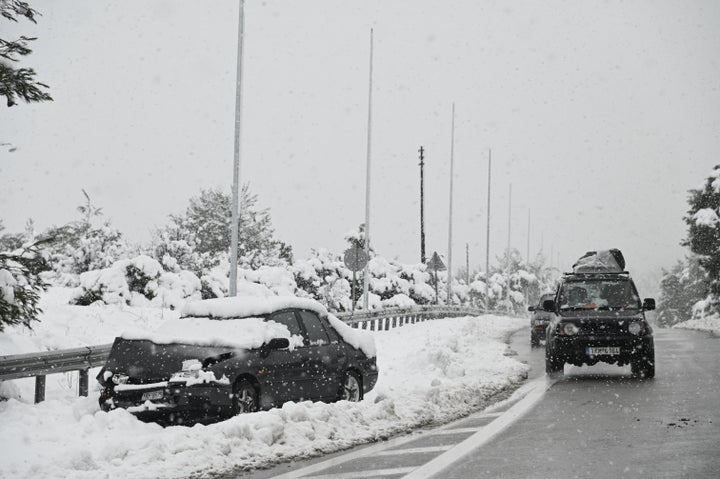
(598, 317)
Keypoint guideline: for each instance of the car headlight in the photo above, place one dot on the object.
(120, 378)
(635, 327)
(570, 329)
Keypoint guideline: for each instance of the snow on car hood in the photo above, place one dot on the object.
(245, 333)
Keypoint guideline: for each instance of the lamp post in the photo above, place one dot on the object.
(236, 156)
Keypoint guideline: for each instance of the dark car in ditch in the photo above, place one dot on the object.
(598, 317)
(539, 320)
(235, 355)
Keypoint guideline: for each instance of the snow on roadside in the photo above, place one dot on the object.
(707, 323)
(429, 372)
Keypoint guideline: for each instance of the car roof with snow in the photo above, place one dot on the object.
(248, 306)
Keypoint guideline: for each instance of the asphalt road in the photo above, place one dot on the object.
(599, 422)
(594, 422)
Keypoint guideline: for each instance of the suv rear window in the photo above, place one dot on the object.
(609, 294)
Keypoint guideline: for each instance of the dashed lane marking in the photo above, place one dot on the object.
(413, 450)
(506, 412)
(459, 430)
(535, 391)
(362, 474)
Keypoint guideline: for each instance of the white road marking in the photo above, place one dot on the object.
(489, 414)
(457, 430)
(362, 474)
(364, 451)
(376, 449)
(535, 390)
(414, 450)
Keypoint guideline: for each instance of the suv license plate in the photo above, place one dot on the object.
(604, 351)
(149, 396)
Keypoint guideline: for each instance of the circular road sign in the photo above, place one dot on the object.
(355, 258)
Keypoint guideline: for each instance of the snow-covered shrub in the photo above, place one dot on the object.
(120, 283)
(21, 284)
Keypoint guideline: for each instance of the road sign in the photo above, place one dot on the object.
(435, 263)
(355, 258)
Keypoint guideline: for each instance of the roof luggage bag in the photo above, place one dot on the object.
(604, 261)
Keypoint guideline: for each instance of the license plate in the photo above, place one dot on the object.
(602, 351)
(149, 396)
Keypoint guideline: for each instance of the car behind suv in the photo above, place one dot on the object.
(539, 320)
(598, 317)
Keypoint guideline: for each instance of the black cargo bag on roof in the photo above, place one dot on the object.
(605, 261)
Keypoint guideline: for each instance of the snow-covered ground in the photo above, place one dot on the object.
(707, 323)
(430, 372)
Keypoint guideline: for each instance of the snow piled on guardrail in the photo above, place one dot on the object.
(430, 372)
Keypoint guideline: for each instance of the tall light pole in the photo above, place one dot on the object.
(366, 275)
(509, 219)
(487, 237)
(450, 214)
(527, 252)
(236, 156)
(422, 205)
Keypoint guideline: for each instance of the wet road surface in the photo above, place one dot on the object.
(590, 422)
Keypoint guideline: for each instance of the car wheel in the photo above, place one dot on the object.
(245, 397)
(553, 364)
(643, 368)
(351, 388)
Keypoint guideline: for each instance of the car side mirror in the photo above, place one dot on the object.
(648, 304)
(278, 343)
(549, 305)
(531, 308)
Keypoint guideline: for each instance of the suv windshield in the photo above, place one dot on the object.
(607, 294)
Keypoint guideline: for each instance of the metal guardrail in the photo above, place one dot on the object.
(43, 363)
(385, 319)
(40, 364)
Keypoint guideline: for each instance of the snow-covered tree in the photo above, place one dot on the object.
(680, 289)
(703, 220)
(18, 83)
(21, 284)
(10, 241)
(85, 244)
(205, 227)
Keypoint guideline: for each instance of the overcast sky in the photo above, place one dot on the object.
(601, 114)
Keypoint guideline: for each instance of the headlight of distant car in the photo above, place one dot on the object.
(636, 327)
(120, 378)
(570, 329)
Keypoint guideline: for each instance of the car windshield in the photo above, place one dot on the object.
(598, 294)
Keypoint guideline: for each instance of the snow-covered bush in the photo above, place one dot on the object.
(21, 284)
(122, 283)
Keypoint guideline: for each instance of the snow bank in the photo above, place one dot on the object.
(429, 372)
(707, 323)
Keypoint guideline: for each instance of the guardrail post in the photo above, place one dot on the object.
(39, 389)
(83, 382)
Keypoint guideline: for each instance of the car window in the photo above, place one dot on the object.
(332, 334)
(289, 319)
(606, 294)
(316, 334)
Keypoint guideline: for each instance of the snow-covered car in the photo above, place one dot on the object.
(539, 320)
(228, 356)
(598, 317)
